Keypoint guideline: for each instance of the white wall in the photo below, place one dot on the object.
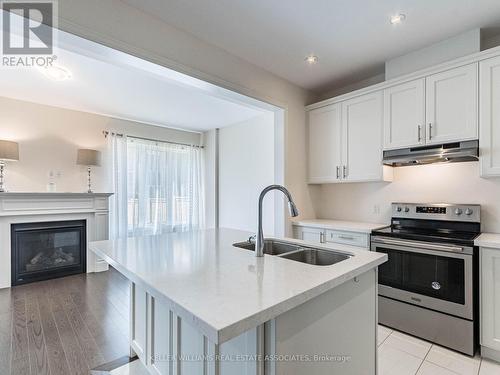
(109, 22)
(246, 166)
(448, 183)
(210, 160)
(49, 138)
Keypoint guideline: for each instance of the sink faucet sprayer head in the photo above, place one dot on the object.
(292, 208)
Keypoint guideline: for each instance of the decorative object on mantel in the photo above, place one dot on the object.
(51, 186)
(88, 158)
(9, 151)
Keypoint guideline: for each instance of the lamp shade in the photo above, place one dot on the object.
(88, 157)
(9, 150)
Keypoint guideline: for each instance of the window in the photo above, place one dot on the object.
(164, 189)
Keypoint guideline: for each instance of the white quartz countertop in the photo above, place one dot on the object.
(352, 226)
(223, 290)
(488, 240)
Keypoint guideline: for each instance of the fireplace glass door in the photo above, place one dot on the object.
(42, 251)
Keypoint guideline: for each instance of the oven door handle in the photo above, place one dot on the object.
(420, 245)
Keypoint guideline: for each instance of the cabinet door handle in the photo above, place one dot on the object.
(338, 172)
(419, 133)
(321, 237)
(344, 171)
(430, 130)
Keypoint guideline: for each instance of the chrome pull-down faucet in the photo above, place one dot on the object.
(259, 240)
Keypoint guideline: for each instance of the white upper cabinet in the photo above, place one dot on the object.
(345, 141)
(347, 137)
(489, 117)
(451, 105)
(324, 144)
(404, 115)
(362, 122)
(440, 108)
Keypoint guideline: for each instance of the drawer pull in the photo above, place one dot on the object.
(343, 237)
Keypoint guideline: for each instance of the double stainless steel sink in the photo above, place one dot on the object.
(296, 252)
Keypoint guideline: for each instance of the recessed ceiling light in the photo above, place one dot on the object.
(57, 73)
(311, 59)
(397, 19)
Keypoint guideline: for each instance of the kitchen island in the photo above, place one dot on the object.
(200, 305)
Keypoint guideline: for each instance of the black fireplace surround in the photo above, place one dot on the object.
(47, 250)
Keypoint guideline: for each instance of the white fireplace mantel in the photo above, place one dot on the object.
(41, 207)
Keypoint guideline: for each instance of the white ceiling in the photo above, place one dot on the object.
(122, 91)
(352, 38)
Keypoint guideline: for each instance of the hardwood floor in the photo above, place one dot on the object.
(64, 326)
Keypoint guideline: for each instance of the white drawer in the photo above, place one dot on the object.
(307, 234)
(348, 238)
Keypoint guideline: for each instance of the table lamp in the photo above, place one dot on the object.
(9, 151)
(88, 158)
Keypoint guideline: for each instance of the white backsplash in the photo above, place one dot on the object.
(436, 183)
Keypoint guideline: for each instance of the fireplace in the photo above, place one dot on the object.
(47, 250)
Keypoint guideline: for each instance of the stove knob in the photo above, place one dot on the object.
(407, 209)
(458, 211)
(469, 212)
(399, 209)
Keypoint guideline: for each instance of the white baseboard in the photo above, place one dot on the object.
(101, 266)
(490, 353)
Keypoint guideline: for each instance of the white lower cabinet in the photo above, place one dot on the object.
(348, 238)
(296, 342)
(490, 302)
(313, 235)
(323, 235)
(489, 117)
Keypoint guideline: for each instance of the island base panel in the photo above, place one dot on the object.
(334, 333)
(167, 344)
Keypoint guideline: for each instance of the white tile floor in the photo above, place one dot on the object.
(401, 354)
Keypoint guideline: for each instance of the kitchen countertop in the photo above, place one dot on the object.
(223, 290)
(488, 240)
(352, 226)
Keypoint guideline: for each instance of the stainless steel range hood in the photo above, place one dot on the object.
(443, 153)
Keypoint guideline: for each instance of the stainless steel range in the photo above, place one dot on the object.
(429, 286)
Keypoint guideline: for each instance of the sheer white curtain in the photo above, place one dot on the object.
(117, 162)
(165, 191)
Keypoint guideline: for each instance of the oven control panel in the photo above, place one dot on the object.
(430, 210)
(437, 211)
